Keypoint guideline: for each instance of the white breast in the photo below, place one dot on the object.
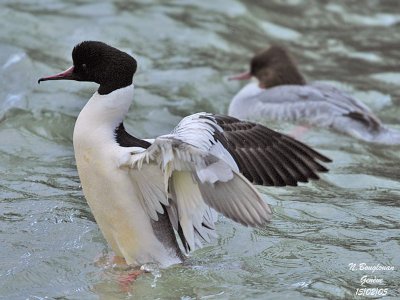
(244, 104)
(109, 190)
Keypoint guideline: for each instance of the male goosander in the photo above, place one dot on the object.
(282, 94)
(143, 191)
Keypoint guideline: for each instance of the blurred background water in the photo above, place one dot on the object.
(49, 243)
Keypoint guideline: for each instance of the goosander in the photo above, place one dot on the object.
(143, 191)
(282, 94)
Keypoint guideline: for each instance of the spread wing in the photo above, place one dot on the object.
(192, 174)
(266, 157)
(197, 169)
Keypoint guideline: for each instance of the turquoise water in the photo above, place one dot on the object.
(51, 247)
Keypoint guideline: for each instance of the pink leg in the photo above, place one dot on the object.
(125, 281)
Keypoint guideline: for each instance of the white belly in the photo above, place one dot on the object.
(113, 199)
(111, 193)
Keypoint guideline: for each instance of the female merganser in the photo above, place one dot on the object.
(143, 191)
(282, 94)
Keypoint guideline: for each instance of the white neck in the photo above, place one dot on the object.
(102, 114)
(110, 108)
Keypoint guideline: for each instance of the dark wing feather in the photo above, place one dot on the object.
(266, 157)
(124, 139)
